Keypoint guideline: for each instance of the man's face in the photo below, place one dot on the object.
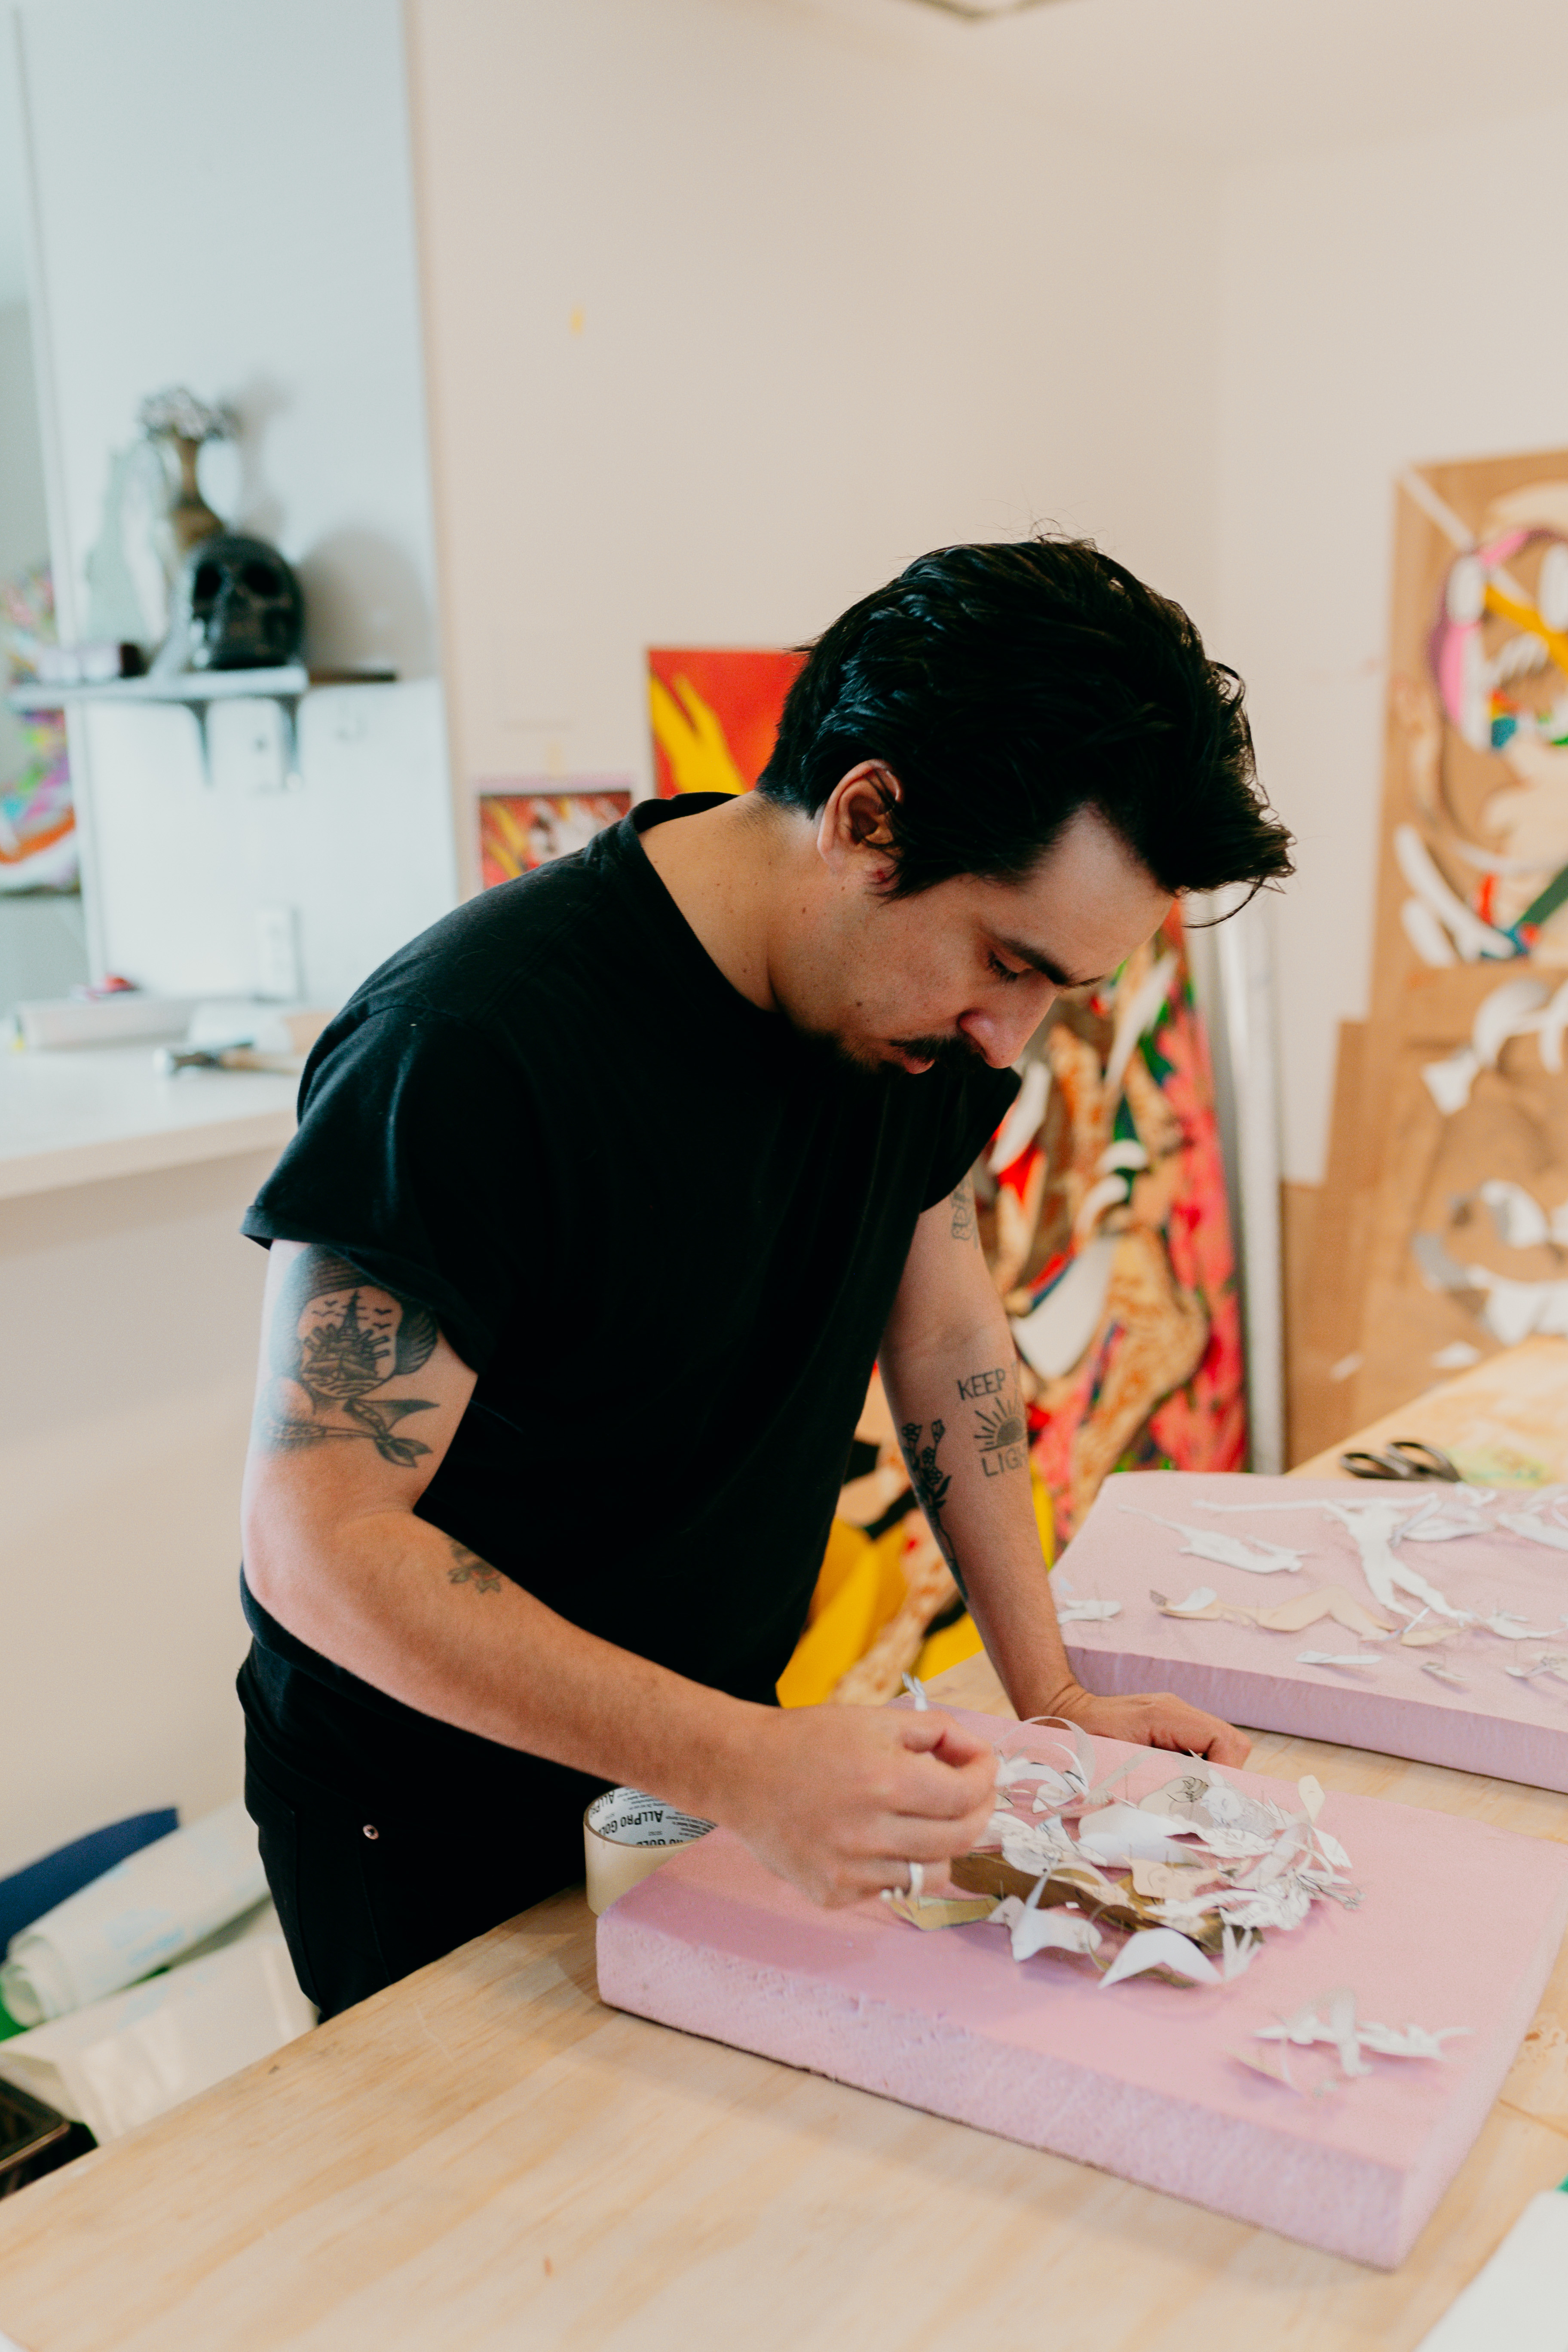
(972, 967)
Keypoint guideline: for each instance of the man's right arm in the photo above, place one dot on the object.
(358, 1399)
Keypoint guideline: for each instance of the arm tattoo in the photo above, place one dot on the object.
(472, 1569)
(965, 1225)
(930, 1484)
(336, 1342)
(1001, 1433)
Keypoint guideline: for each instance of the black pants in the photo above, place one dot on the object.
(370, 1888)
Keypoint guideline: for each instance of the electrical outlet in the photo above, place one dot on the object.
(278, 954)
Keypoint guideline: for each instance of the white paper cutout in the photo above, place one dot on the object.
(1335, 1658)
(1442, 1673)
(1117, 1834)
(1035, 1929)
(1159, 1947)
(1531, 1523)
(1374, 1527)
(1514, 1628)
(1198, 1601)
(1087, 1612)
(1551, 1662)
(1311, 1789)
(1228, 1551)
(916, 1690)
(1349, 2039)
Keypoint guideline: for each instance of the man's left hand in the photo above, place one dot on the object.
(1154, 1719)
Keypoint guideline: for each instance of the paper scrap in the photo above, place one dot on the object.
(1539, 1530)
(1304, 1608)
(1515, 1628)
(1551, 1662)
(1087, 1612)
(1335, 1658)
(1443, 1675)
(1311, 1789)
(1034, 1929)
(1159, 1947)
(1227, 1551)
(1338, 2026)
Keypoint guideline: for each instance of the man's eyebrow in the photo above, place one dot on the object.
(1048, 965)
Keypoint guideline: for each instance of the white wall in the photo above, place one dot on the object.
(730, 311)
(122, 1428)
(1384, 305)
(223, 200)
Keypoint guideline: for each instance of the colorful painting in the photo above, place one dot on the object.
(522, 826)
(37, 821)
(715, 715)
(1102, 1208)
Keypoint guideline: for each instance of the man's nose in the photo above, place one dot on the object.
(1002, 1036)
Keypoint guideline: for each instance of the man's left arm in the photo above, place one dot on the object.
(950, 1372)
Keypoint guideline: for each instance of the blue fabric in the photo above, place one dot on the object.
(28, 1893)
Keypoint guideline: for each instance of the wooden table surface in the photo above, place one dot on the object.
(1505, 1421)
(485, 2156)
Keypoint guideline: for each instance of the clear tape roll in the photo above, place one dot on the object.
(626, 1835)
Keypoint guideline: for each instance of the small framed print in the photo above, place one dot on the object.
(524, 824)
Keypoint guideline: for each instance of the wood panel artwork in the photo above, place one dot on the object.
(1445, 1216)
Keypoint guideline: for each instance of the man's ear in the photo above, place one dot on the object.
(855, 821)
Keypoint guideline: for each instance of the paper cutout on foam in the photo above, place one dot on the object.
(1292, 1616)
(1374, 1527)
(1228, 1551)
(1513, 1628)
(1335, 1658)
(1337, 2025)
(1034, 1930)
(1551, 1662)
(1159, 1947)
(1535, 1528)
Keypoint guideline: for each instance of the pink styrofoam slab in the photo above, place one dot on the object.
(1460, 1924)
(1514, 1730)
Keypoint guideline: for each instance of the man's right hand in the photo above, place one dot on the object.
(841, 1800)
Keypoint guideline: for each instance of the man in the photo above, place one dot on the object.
(607, 1193)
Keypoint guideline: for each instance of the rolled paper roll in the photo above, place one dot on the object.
(626, 1835)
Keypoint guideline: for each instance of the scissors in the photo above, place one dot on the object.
(1402, 1457)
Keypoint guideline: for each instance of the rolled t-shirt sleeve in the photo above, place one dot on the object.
(980, 1102)
(416, 1159)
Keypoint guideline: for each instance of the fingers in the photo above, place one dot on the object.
(925, 1787)
(1229, 1746)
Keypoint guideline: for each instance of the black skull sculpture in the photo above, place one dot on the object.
(239, 606)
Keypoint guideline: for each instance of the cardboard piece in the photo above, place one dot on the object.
(1139, 2079)
(1468, 1708)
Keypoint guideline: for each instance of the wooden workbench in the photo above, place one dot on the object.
(485, 2156)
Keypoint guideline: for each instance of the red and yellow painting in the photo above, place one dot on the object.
(715, 715)
(522, 826)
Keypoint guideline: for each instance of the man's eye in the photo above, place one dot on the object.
(1003, 971)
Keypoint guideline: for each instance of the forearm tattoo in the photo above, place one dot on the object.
(472, 1569)
(965, 1224)
(1000, 1434)
(929, 1483)
(336, 1342)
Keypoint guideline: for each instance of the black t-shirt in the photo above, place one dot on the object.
(663, 1230)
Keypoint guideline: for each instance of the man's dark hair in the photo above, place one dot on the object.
(1007, 687)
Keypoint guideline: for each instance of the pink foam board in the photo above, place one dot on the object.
(1459, 1925)
(1514, 1730)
